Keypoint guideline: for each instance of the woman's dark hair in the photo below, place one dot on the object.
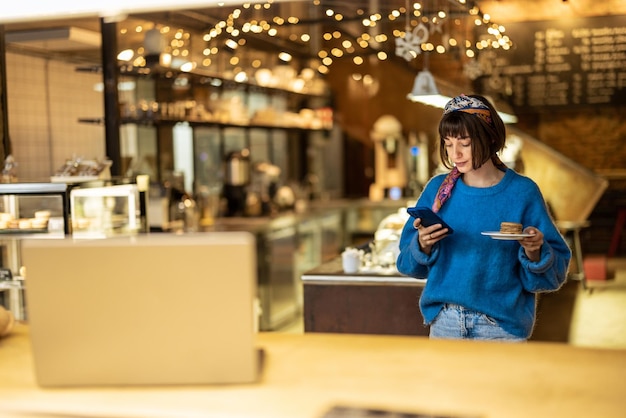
(487, 138)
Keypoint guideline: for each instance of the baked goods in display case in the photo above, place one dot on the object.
(101, 212)
(79, 170)
(9, 224)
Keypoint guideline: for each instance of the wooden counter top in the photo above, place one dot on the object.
(332, 272)
(304, 375)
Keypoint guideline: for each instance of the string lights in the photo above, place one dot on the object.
(325, 31)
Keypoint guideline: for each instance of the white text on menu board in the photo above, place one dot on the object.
(563, 64)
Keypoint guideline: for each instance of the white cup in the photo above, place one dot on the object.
(351, 260)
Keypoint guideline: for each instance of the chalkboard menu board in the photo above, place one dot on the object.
(568, 62)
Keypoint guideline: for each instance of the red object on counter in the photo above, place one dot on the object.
(595, 267)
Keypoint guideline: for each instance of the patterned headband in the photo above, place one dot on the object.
(469, 105)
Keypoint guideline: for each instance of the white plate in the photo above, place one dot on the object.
(505, 237)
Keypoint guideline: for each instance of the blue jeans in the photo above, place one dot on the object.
(456, 322)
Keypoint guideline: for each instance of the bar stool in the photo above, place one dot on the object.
(617, 231)
(573, 228)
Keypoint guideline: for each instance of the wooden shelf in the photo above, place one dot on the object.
(158, 121)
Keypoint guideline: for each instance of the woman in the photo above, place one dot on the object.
(479, 287)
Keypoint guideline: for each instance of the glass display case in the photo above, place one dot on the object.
(27, 210)
(101, 212)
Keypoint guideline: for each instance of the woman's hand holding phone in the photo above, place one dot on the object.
(431, 227)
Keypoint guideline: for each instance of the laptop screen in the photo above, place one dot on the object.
(150, 309)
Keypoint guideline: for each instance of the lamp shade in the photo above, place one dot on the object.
(153, 42)
(425, 91)
(424, 85)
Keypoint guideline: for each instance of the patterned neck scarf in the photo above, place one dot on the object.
(445, 190)
(472, 106)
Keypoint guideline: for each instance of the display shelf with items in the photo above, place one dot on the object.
(27, 210)
(174, 121)
(101, 212)
(80, 170)
(155, 104)
(166, 99)
(202, 99)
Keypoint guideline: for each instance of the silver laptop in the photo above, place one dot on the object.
(155, 309)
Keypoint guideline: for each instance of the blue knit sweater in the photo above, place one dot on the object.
(477, 272)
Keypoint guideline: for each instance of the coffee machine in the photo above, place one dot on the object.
(390, 159)
(236, 171)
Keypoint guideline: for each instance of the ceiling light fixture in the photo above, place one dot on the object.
(425, 91)
(284, 56)
(126, 55)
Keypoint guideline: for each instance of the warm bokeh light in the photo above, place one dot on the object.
(229, 39)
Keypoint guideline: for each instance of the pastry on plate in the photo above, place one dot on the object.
(510, 228)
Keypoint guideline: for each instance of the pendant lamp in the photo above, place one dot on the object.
(425, 91)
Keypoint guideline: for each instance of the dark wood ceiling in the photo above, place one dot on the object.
(311, 19)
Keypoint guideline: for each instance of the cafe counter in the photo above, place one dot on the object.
(374, 300)
(305, 375)
(383, 301)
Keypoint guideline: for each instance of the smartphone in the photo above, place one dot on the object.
(428, 217)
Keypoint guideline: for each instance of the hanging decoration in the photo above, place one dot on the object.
(409, 46)
(441, 29)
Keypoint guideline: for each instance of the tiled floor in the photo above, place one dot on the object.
(599, 317)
